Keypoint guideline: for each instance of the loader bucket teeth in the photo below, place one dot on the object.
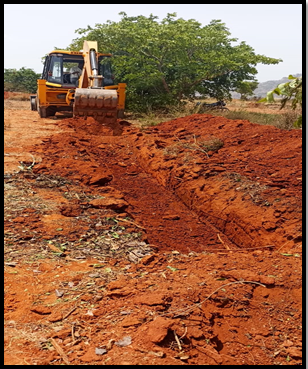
(98, 103)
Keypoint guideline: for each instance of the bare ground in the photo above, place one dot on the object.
(179, 244)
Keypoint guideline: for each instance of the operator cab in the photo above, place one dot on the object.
(61, 69)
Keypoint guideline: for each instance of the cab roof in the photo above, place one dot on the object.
(70, 52)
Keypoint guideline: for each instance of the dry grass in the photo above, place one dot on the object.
(248, 187)
(203, 145)
(111, 240)
(260, 113)
(26, 332)
(17, 96)
(16, 104)
(213, 144)
(287, 119)
(172, 151)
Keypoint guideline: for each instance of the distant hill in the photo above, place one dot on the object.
(264, 87)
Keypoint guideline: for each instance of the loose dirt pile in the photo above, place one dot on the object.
(178, 244)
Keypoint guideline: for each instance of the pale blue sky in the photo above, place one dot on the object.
(273, 30)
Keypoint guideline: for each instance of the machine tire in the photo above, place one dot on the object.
(33, 102)
(51, 111)
(45, 112)
(42, 112)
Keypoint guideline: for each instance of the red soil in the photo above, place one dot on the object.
(218, 277)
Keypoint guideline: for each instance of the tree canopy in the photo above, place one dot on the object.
(168, 61)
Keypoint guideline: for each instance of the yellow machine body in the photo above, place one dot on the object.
(91, 93)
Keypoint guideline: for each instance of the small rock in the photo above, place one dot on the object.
(129, 322)
(63, 333)
(147, 259)
(70, 210)
(171, 217)
(55, 317)
(59, 293)
(42, 310)
(125, 341)
(266, 280)
(100, 351)
(100, 179)
(158, 329)
(19, 220)
(109, 203)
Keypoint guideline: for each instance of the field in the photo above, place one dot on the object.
(178, 243)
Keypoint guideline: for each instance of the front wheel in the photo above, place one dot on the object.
(45, 112)
(42, 111)
(51, 111)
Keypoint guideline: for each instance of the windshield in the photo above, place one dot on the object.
(54, 74)
(106, 71)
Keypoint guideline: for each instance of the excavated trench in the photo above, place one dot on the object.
(194, 184)
(170, 224)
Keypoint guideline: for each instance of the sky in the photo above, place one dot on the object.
(274, 30)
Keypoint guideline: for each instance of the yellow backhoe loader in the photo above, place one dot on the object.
(81, 82)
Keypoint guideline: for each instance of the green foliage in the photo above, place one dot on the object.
(282, 121)
(246, 88)
(290, 91)
(168, 61)
(22, 80)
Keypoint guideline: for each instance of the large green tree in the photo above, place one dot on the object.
(168, 61)
(22, 80)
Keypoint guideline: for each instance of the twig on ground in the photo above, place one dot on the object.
(73, 337)
(190, 308)
(254, 363)
(33, 162)
(184, 334)
(226, 246)
(60, 351)
(128, 221)
(69, 313)
(177, 341)
(242, 250)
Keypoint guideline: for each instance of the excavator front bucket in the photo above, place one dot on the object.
(96, 102)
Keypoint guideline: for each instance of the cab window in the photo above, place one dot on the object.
(106, 71)
(55, 70)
